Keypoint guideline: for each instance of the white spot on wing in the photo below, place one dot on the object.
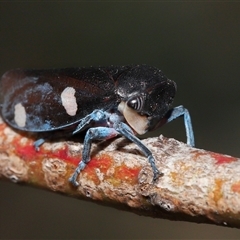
(20, 116)
(69, 101)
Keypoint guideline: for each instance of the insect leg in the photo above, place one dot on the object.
(178, 112)
(95, 116)
(127, 132)
(38, 143)
(97, 133)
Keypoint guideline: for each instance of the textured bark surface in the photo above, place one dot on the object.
(197, 185)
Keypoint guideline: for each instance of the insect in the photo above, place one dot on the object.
(104, 101)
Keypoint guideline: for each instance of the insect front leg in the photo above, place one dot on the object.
(97, 133)
(126, 131)
(178, 112)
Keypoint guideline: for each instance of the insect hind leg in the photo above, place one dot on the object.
(46, 138)
(38, 143)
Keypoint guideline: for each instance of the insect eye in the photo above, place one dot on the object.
(136, 102)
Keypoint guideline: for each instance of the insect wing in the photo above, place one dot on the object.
(46, 100)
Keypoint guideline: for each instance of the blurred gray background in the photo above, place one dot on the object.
(195, 44)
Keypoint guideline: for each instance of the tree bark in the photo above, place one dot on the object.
(197, 185)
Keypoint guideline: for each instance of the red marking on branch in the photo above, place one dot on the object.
(236, 187)
(63, 154)
(97, 166)
(126, 173)
(220, 159)
(103, 163)
(27, 152)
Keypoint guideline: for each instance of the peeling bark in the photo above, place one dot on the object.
(197, 185)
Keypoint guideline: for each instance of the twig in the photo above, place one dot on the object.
(197, 185)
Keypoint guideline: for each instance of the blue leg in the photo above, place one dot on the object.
(38, 143)
(97, 133)
(126, 131)
(95, 116)
(181, 111)
(92, 134)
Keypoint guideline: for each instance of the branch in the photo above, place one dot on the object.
(197, 185)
